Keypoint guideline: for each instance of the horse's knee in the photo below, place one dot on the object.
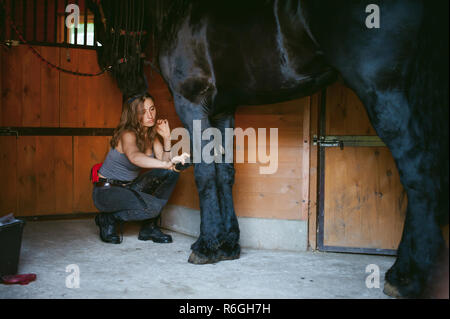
(225, 173)
(204, 176)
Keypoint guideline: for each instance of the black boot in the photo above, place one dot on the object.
(149, 230)
(107, 224)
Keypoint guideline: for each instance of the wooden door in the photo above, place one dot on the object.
(361, 200)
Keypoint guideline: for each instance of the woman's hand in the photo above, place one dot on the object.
(162, 128)
(167, 165)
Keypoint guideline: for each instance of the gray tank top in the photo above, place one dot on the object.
(117, 166)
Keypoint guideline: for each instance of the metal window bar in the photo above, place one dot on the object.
(85, 23)
(45, 19)
(20, 11)
(34, 20)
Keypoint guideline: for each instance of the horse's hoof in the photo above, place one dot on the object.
(391, 290)
(200, 259)
(226, 255)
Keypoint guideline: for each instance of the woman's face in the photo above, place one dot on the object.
(149, 116)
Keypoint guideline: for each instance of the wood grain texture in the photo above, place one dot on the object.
(364, 200)
(12, 83)
(27, 172)
(8, 175)
(345, 114)
(31, 90)
(45, 172)
(88, 151)
(50, 103)
(69, 94)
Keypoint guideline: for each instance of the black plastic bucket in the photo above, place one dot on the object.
(10, 243)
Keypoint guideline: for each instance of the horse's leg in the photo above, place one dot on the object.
(205, 249)
(230, 249)
(400, 73)
(419, 160)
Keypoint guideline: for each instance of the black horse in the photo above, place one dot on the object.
(216, 55)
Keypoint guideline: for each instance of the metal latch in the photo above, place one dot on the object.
(11, 43)
(6, 131)
(327, 141)
(348, 140)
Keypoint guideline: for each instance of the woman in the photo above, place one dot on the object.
(139, 141)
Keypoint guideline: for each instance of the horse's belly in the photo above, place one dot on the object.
(268, 62)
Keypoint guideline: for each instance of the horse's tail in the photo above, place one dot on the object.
(427, 91)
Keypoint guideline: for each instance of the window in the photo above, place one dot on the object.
(79, 33)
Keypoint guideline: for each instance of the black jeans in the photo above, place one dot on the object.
(143, 199)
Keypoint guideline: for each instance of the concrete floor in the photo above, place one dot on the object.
(137, 269)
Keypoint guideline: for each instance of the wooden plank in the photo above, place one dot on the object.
(345, 114)
(284, 170)
(12, 79)
(50, 88)
(27, 171)
(8, 175)
(305, 153)
(364, 200)
(279, 206)
(277, 185)
(63, 177)
(88, 150)
(45, 175)
(68, 96)
(111, 99)
(31, 91)
(91, 109)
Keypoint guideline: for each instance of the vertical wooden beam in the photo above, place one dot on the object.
(313, 173)
(305, 159)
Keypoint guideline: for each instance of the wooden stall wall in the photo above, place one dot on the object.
(50, 175)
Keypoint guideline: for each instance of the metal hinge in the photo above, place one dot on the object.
(347, 140)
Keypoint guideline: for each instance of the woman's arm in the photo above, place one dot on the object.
(159, 148)
(129, 147)
(162, 150)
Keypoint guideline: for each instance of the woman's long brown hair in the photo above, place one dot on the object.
(131, 120)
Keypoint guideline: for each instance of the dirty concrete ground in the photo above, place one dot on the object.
(138, 269)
